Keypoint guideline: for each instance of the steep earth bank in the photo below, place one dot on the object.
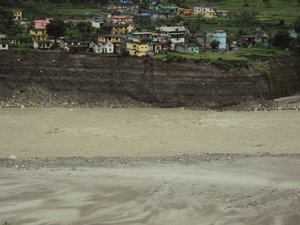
(85, 79)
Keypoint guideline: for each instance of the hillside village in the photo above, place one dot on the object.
(126, 27)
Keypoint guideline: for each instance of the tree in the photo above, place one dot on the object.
(246, 3)
(297, 25)
(84, 27)
(246, 18)
(282, 40)
(193, 24)
(6, 21)
(266, 2)
(105, 29)
(24, 39)
(56, 28)
(214, 44)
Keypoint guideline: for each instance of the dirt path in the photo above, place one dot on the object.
(52, 132)
(253, 191)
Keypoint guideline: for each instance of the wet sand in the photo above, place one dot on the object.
(52, 132)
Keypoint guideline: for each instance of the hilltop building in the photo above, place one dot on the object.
(17, 14)
(205, 11)
(97, 22)
(43, 44)
(38, 34)
(3, 46)
(176, 34)
(41, 24)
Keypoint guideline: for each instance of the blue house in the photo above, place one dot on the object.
(219, 36)
(123, 1)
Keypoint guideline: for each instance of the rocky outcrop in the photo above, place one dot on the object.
(153, 81)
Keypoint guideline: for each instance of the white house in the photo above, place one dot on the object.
(104, 48)
(3, 46)
(97, 22)
(174, 33)
(205, 11)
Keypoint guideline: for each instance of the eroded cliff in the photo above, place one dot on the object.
(144, 79)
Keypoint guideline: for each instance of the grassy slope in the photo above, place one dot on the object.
(279, 9)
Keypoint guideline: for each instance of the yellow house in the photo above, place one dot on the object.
(11, 40)
(17, 14)
(207, 12)
(122, 28)
(137, 49)
(115, 39)
(43, 44)
(38, 34)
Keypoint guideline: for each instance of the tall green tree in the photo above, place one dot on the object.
(85, 29)
(297, 25)
(266, 2)
(282, 40)
(56, 28)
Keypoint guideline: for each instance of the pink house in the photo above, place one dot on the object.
(41, 24)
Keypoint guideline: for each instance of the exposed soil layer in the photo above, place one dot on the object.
(84, 79)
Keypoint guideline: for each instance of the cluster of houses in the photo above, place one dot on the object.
(124, 36)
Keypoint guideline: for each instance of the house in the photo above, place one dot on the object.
(158, 48)
(140, 37)
(103, 48)
(73, 45)
(163, 15)
(293, 34)
(187, 12)
(254, 41)
(122, 28)
(124, 8)
(137, 49)
(115, 39)
(17, 14)
(3, 46)
(109, 44)
(223, 13)
(165, 8)
(219, 36)
(42, 44)
(38, 34)
(123, 1)
(10, 40)
(176, 34)
(167, 30)
(205, 11)
(191, 49)
(139, 46)
(97, 22)
(122, 19)
(41, 24)
(159, 43)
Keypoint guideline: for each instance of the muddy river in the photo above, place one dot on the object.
(254, 189)
(145, 132)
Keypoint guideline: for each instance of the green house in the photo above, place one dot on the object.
(193, 50)
(165, 8)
